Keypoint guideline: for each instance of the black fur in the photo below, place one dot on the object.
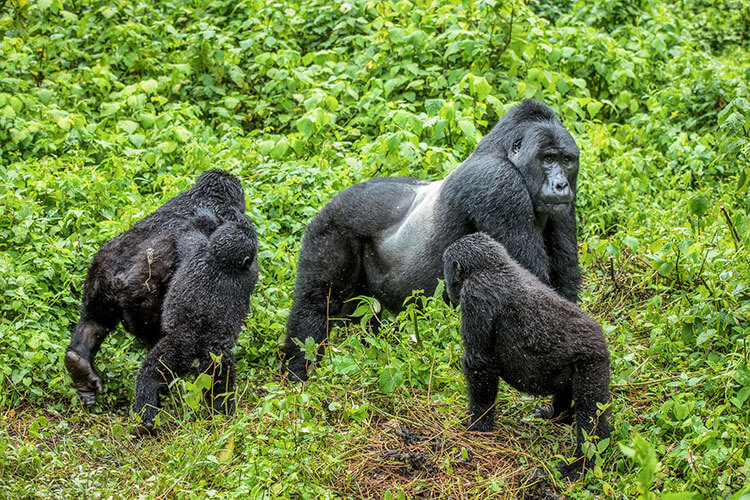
(516, 328)
(385, 237)
(130, 275)
(203, 313)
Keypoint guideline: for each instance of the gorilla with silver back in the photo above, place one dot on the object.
(385, 237)
(516, 328)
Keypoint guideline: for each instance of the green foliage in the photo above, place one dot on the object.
(107, 109)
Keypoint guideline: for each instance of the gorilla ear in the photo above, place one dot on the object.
(517, 146)
(458, 270)
(246, 262)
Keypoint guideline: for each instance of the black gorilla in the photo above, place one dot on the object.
(385, 237)
(516, 328)
(203, 313)
(130, 274)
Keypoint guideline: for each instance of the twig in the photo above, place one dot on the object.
(510, 33)
(731, 226)
(612, 273)
(647, 382)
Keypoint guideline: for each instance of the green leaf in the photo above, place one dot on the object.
(705, 335)
(482, 88)
(237, 75)
(137, 140)
(149, 86)
(562, 86)
(593, 108)
(280, 149)
(742, 375)
(305, 126)
(266, 146)
(64, 123)
(448, 111)
(182, 134)
(44, 95)
(389, 379)
(203, 381)
(631, 242)
(433, 106)
(310, 348)
(666, 268)
(167, 147)
(698, 205)
(468, 129)
(741, 397)
(408, 151)
(127, 126)
(397, 35)
(685, 495)
(109, 108)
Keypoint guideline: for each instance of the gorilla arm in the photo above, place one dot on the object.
(497, 202)
(479, 363)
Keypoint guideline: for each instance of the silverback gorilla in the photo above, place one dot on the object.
(516, 328)
(131, 274)
(385, 237)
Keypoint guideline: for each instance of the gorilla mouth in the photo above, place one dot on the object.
(557, 206)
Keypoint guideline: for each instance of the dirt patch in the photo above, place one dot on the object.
(430, 459)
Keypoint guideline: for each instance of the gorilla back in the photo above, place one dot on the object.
(385, 237)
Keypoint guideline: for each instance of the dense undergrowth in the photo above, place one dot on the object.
(107, 109)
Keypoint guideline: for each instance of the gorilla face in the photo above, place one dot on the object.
(547, 157)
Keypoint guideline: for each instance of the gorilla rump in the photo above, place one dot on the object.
(203, 312)
(516, 328)
(385, 237)
(130, 275)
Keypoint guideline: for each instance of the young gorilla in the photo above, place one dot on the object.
(130, 274)
(204, 309)
(516, 328)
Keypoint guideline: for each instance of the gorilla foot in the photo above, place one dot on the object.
(572, 471)
(297, 372)
(481, 425)
(224, 404)
(85, 378)
(548, 413)
(144, 430)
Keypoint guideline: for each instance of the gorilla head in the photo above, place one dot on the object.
(219, 188)
(233, 246)
(466, 258)
(544, 153)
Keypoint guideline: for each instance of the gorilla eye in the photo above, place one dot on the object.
(549, 158)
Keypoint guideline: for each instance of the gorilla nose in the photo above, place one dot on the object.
(561, 187)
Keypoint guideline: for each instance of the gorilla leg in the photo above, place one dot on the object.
(481, 386)
(328, 274)
(79, 357)
(162, 364)
(223, 376)
(590, 386)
